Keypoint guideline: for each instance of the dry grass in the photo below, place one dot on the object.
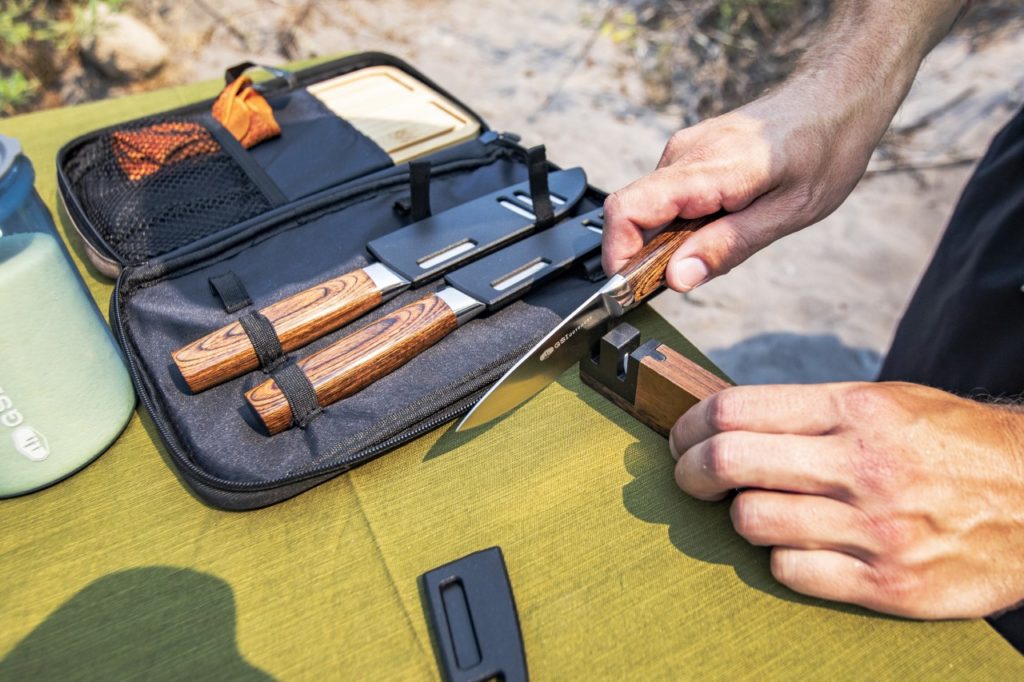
(703, 57)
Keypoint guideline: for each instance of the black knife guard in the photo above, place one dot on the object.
(483, 223)
(473, 619)
(545, 254)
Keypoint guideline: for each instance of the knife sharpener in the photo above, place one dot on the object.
(650, 381)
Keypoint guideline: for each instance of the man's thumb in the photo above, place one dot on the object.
(720, 246)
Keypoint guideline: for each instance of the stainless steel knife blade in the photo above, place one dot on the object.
(559, 350)
(576, 335)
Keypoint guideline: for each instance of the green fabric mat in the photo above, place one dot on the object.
(119, 572)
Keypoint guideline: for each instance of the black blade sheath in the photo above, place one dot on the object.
(431, 247)
(506, 275)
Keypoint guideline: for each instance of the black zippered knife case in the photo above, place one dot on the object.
(281, 217)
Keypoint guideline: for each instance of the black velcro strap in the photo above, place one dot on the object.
(231, 292)
(299, 393)
(419, 189)
(537, 166)
(263, 338)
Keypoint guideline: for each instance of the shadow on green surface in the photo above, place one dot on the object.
(451, 440)
(700, 530)
(155, 623)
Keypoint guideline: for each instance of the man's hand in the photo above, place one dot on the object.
(776, 165)
(786, 160)
(900, 498)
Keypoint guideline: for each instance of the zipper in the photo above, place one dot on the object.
(181, 458)
(507, 141)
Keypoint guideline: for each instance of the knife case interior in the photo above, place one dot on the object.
(209, 237)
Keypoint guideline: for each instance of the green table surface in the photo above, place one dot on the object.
(119, 572)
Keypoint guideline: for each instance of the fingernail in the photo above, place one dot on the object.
(672, 445)
(689, 273)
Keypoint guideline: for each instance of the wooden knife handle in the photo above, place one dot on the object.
(356, 361)
(646, 270)
(299, 319)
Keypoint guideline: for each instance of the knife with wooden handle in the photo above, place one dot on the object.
(409, 257)
(576, 335)
(359, 359)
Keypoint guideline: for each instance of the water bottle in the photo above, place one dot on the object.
(65, 394)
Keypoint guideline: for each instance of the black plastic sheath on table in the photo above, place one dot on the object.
(473, 618)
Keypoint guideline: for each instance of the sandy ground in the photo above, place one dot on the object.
(820, 305)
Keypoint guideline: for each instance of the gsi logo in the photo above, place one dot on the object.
(30, 443)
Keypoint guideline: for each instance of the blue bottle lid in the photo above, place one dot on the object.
(16, 178)
(10, 150)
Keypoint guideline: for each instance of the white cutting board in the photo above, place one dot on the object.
(403, 116)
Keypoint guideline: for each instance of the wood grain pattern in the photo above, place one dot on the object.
(356, 361)
(665, 389)
(646, 270)
(299, 319)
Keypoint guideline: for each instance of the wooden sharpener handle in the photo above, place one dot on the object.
(667, 385)
(299, 319)
(361, 358)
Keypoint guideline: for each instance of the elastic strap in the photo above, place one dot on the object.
(263, 338)
(299, 393)
(231, 292)
(537, 166)
(419, 189)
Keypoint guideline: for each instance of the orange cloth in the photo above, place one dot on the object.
(244, 112)
(239, 108)
(142, 152)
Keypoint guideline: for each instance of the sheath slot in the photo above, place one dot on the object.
(446, 255)
(515, 208)
(528, 200)
(460, 624)
(517, 276)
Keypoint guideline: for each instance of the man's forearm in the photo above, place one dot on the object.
(869, 51)
(789, 158)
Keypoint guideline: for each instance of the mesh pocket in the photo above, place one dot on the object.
(154, 185)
